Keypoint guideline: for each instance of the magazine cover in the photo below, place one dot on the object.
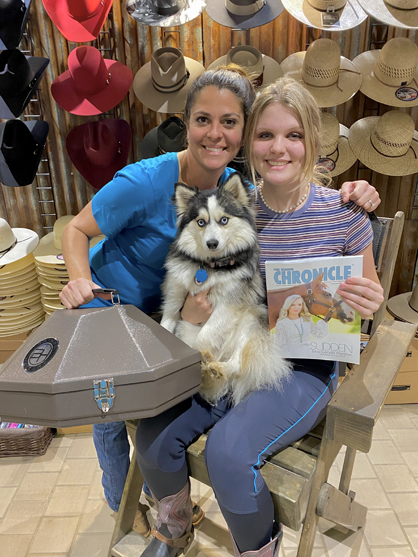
(309, 318)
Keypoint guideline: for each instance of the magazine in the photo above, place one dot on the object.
(309, 318)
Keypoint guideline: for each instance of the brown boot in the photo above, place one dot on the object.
(141, 524)
(271, 549)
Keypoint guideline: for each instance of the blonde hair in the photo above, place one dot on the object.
(293, 96)
(284, 312)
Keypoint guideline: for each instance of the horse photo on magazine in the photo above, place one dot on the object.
(308, 317)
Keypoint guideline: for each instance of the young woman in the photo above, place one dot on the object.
(292, 212)
(134, 212)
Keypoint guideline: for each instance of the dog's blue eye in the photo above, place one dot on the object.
(201, 223)
(224, 220)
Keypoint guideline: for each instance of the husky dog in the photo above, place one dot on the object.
(216, 248)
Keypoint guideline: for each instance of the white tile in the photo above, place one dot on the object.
(345, 545)
(82, 447)
(396, 478)
(54, 535)
(6, 495)
(370, 493)
(61, 440)
(363, 467)
(77, 471)
(382, 529)
(384, 452)
(11, 474)
(22, 517)
(405, 439)
(96, 488)
(67, 500)
(411, 459)
(380, 432)
(392, 552)
(412, 533)
(36, 486)
(14, 545)
(405, 506)
(51, 461)
(97, 517)
(395, 418)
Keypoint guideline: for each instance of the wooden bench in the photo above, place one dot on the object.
(297, 476)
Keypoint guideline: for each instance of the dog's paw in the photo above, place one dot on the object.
(207, 357)
(217, 370)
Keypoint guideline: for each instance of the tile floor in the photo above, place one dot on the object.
(53, 506)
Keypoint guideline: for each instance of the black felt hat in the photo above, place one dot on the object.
(13, 17)
(168, 137)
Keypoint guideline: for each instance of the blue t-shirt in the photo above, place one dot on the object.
(135, 213)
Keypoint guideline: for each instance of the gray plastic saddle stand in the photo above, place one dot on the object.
(87, 366)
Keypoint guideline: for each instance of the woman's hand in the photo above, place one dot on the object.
(197, 309)
(78, 292)
(362, 294)
(361, 193)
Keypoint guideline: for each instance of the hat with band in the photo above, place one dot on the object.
(398, 13)
(405, 306)
(330, 15)
(165, 13)
(244, 14)
(335, 155)
(13, 17)
(331, 78)
(162, 84)
(390, 75)
(168, 137)
(387, 144)
(15, 243)
(260, 68)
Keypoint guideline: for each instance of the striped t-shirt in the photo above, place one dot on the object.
(323, 227)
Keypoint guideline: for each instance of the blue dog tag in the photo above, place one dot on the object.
(200, 276)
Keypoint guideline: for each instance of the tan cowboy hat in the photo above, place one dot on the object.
(57, 285)
(51, 270)
(13, 313)
(244, 14)
(261, 68)
(26, 286)
(390, 75)
(398, 13)
(162, 84)
(20, 300)
(19, 279)
(336, 155)
(165, 13)
(50, 246)
(15, 243)
(331, 78)
(10, 331)
(405, 306)
(387, 144)
(53, 274)
(330, 15)
(52, 306)
(17, 274)
(17, 266)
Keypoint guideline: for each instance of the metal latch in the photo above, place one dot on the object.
(104, 394)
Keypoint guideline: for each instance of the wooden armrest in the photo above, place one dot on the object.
(355, 407)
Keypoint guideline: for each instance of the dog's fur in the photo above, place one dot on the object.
(217, 233)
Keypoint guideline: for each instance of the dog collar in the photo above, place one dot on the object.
(202, 275)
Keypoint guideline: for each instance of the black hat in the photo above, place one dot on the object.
(19, 79)
(13, 18)
(168, 137)
(21, 146)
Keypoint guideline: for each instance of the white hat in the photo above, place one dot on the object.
(15, 243)
(50, 246)
(330, 15)
(165, 13)
(398, 13)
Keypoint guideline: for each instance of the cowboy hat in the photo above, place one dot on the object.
(49, 249)
(244, 14)
(16, 279)
(335, 154)
(15, 243)
(162, 84)
(165, 13)
(390, 75)
(19, 79)
(13, 17)
(398, 13)
(330, 15)
(405, 306)
(78, 20)
(21, 147)
(99, 149)
(331, 78)
(168, 137)
(387, 144)
(260, 68)
(20, 266)
(92, 84)
(21, 300)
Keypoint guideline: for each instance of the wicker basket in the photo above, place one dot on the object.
(25, 441)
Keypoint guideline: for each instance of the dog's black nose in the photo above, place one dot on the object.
(212, 244)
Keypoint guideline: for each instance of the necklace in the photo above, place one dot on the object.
(301, 200)
(300, 331)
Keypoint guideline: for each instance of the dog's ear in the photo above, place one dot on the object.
(182, 196)
(238, 188)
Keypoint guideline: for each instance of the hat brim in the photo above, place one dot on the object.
(350, 15)
(46, 254)
(65, 94)
(359, 138)
(57, 285)
(405, 19)
(22, 328)
(149, 145)
(164, 102)
(11, 33)
(98, 176)
(333, 95)
(140, 11)
(346, 157)
(271, 71)
(217, 11)
(20, 265)
(27, 240)
(376, 89)
(20, 289)
(72, 29)
(20, 300)
(18, 279)
(399, 307)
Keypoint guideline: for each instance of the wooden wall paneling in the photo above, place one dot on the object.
(266, 39)
(211, 40)
(404, 272)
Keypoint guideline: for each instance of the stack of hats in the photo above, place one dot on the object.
(20, 297)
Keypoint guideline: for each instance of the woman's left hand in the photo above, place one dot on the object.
(361, 193)
(362, 294)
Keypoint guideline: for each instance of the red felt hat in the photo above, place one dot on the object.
(92, 84)
(78, 20)
(99, 149)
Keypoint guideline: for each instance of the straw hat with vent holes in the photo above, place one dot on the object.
(311, 12)
(398, 13)
(335, 155)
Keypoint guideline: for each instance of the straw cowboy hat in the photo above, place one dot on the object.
(330, 15)
(331, 78)
(398, 13)
(99, 149)
(244, 14)
(21, 147)
(162, 84)
(390, 75)
(165, 13)
(261, 68)
(168, 137)
(19, 79)
(92, 84)
(387, 144)
(78, 20)
(13, 17)
(336, 155)
(15, 243)
(405, 306)
(49, 249)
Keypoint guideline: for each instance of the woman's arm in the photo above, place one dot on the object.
(361, 193)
